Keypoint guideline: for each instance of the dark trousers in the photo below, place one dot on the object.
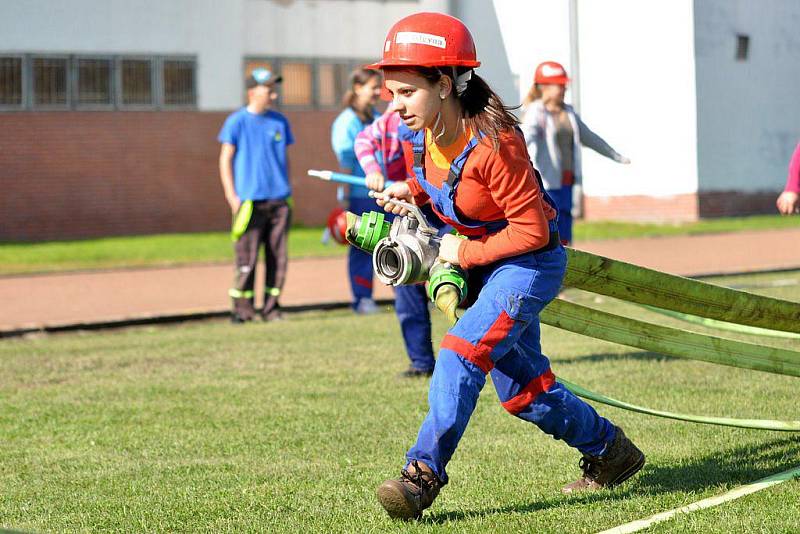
(269, 224)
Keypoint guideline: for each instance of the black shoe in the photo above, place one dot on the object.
(274, 315)
(235, 319)
(413, 372)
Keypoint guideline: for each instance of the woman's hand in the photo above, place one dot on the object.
(398, 190)
(375, 181)
(448, 249)
(788, 203)
(624, 160)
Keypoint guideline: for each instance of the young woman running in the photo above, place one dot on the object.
(472, 166)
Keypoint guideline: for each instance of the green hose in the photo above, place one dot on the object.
(759, 424)
(722, 325)
(646, 286)
(670, 341)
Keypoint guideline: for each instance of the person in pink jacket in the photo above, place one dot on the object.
(789, 201)
(380, 153)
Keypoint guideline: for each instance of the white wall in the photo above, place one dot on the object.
(637, 92)
(325, 28)
(748, 111)
(211, 30)
(532, 32)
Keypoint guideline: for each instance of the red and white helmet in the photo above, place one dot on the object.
(337, 225)
(551, 72)
(428, 40)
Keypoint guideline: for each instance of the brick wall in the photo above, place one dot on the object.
(675, 208)
(86, 174)
(736, 203)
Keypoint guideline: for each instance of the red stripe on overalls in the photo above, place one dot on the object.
(480, 354)
(524, 398)
(363, 282)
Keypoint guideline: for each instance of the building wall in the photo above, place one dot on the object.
(90, 174)
(325, 28)
(640, 98)
(531, 32)
(211, 30)
(747, 110)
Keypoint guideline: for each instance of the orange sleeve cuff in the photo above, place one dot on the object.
(419, 194)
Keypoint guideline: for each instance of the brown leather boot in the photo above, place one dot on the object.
(406, 497)
(622, 460)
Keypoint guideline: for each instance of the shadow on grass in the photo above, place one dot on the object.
(615, 356)
(739, 465)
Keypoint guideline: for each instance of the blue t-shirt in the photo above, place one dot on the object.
(343, 138)
(259, 164)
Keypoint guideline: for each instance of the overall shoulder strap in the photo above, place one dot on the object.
(457, 167)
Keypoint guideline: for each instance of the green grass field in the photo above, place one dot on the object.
(180, 249)
(290, 426)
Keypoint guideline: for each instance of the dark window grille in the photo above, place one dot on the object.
(137, 82)
(10, 81)
(742, 47)
(50, 81)
(179, 83)
(94, 82)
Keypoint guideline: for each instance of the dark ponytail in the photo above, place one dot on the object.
(481, 108)
(484, 111)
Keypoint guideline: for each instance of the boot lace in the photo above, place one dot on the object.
(591, 466)
(422, 479)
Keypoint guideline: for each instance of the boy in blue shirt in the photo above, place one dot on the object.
(253, 169)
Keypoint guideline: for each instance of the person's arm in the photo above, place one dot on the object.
(789, 201)
(226, 154)
(510, 180)
(595, 142)
(367, 145)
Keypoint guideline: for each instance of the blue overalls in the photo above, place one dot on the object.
(499, 334)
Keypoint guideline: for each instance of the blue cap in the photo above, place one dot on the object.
(261, 76)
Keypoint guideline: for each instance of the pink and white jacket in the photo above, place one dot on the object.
(378, 147)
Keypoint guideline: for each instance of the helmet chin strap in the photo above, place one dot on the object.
(436, 124)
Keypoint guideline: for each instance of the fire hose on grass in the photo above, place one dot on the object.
(406, 251)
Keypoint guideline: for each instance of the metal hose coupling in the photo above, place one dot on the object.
(365, 231)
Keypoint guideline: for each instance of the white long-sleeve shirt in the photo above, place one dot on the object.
(539, 129)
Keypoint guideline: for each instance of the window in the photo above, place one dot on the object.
(297, 88)
(250, 66)
(331, 84)
(11, 81)
(309, 83)
(94, 82)
(40, 81)
(137, 82)
(742, 47)
(178, 79)
(50, 82)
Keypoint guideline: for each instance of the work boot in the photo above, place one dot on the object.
(620, 462)
(405, 498)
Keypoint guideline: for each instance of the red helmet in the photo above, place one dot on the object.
(428, 40)
(551, 72)
(337, 225)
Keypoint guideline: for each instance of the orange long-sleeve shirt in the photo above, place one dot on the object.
(494, 186)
